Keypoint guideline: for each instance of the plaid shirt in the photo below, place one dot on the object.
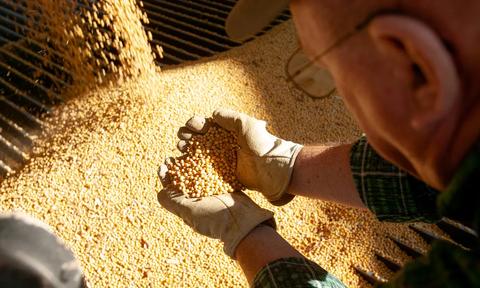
(389, 192)
(296, 273)
(394, 195)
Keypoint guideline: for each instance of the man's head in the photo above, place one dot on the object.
(407, 75)
(31, 255)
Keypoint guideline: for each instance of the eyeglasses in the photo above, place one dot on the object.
(314, 81)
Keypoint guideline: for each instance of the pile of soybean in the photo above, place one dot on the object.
(94, 180)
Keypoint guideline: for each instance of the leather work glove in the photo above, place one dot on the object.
(264, 162)
(227, 217)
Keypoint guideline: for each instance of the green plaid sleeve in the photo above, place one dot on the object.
(295, 273)
(390, 193)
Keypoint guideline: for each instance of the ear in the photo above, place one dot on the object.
(435, 80)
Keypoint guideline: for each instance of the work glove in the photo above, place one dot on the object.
(227, 217)
(264, 162)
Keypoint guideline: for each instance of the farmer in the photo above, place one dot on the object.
(408, 72)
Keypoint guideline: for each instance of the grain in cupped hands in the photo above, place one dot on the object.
(208, 165)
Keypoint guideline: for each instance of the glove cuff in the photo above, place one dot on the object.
(264, 217)
(283, 197)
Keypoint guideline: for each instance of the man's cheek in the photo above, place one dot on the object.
(347, 91)
(305, 45)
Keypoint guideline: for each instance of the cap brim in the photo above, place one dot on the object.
(249, 17)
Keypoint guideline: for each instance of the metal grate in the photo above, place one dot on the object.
(30, 84)
(189, 30)
(458, 234)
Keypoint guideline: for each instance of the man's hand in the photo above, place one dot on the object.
(227, 217)
(264, 162)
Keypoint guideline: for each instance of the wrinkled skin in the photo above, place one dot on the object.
(408, 89)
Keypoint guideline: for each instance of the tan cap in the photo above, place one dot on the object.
(249, 17)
